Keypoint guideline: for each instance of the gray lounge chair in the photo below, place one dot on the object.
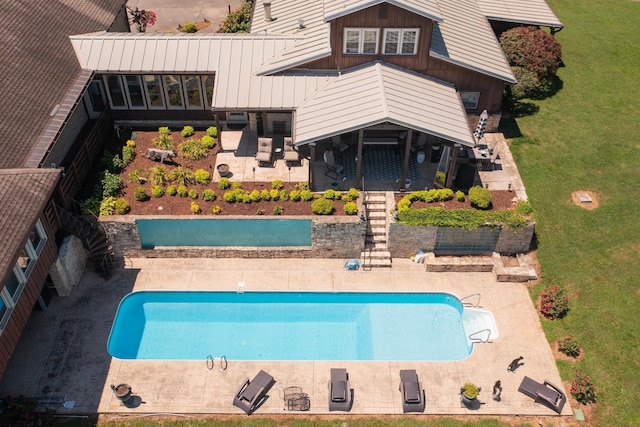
(413, 397)
(340, 395)
(252, 394)
(332, 166)
(290, 154)
(264, 156)
(545, 393)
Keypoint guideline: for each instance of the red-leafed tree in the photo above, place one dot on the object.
(532, 49)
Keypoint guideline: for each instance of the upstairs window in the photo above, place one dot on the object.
(361, 41)
(401, 42)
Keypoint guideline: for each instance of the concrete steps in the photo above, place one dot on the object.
(376, 253)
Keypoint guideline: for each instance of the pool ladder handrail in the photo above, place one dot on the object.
(468, 304)
(223, 363)
(480, 340)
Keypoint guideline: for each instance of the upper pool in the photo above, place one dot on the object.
(178, 325)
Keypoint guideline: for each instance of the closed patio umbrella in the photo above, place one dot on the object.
(482, 125)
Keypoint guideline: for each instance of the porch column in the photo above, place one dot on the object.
(312, 162)
(219, 135)
(265, 124)
(359, 160)
(452, 165)
(407, 154)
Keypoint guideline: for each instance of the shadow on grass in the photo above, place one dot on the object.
(509, 127)
(552, 86)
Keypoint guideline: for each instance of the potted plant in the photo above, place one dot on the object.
(469, 392)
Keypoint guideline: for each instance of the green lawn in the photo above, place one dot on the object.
(587, 137)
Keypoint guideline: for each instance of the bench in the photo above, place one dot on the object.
(380, 141)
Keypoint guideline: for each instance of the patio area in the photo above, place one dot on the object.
(382, 170)
(62, 354)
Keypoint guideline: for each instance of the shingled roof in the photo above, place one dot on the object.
(23, 195)
(38, 65)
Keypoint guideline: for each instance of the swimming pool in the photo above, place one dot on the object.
(191, 325)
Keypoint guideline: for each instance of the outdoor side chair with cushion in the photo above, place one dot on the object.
(545, 393)
(290, 154)
(413, 396)
(332, 166)
(340, 394)
(264, 156)
(252, 394)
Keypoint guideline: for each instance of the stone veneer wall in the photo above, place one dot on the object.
(405, 240)
(331, 237)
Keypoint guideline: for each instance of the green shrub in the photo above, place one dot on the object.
(157, 191)
(212, 132)
(480, 197)
(192, 149)
(569, 346)
(244, 196)
(117, 164)
(91, 206)
(274, 194)
(182, 191)
(582, 388)
(224, 183)
(350, 208)
(553, 303)
(140, 194)
(195, 208)
(322, 206)
(189, 27)
(353, 194)
(172, 190)
(260, 212)
(229, 196)
(158, 175)
(130, 143)
(301, 186)
(294, 196)
(128, 154)
(330, 194)
(122, 206)
(187, 131)
(164, 130)
(464, 218)
(163, 141)
(284, 195)
(111, 184)
(216, 210)
(108, 206)
(238, 20)
(255, 196)
(528, 85)
(236, 185)
(277, 184)
(306, 195)
(460, 196)
(208, 142)
(182, 176)
(208, 195)
(193, 194)
(278, 210)
(202, 176)
(265, 195)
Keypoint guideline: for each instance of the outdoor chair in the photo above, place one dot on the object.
(290, 154)
(340, 395)
(264, 156)
(332, 166)
(252, 394)
(494, 157)
(413, 396)
(296, 400)
(337, 142)
(545, 393)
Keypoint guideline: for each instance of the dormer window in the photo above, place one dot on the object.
(401, 41)
(361, 41)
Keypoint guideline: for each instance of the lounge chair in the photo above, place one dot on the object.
(545, 393)
(332, 166)
(290, 154)
(340, 395)
(337, 142)
(296, 399)
(264, 156)
(413, 397)
(252, 394)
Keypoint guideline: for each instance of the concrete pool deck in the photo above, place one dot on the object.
(62, 354)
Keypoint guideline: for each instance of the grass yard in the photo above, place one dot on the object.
(586, 137)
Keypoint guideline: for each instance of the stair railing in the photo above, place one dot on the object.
(468, 304)
(474, 338)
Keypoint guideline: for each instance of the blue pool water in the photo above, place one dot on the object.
(224, 232)
(173, 325)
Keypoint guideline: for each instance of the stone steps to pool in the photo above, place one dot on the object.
(376, 253)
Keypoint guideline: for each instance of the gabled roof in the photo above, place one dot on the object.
(336, 8)
(377, 93)
(465, 38)
(530, 12)
(23, 195)
(38, 67)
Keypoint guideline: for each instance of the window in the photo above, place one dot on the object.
(470, 99)
(401, 42)
(207, 81)
(135, 95)
(115, 92)
(361, 40)
(153, 89)
(192, 91)
(96, 99)
(173, 91)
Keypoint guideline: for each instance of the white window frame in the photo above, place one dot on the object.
(166, 92)
(470, 100)
(361, 40)
(138, 78)
(9, 304)
(186, 92)
(159, 80)
(118, 79)
(401, 33)
(203, 79)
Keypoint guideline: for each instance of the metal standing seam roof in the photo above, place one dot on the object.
(465, 38)
(336, 8)
(378, 93)
(23, 195)
(532, 12)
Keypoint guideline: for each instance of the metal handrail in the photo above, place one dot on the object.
(210, 362)
(472, 338)
(223, 363)
(467, 304)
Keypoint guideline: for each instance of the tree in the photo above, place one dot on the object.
(238, 20)
(532, 49)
